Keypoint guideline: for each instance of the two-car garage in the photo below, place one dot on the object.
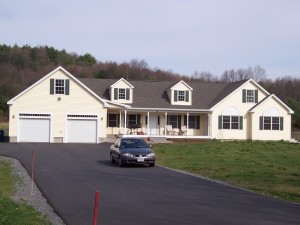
(37, 128)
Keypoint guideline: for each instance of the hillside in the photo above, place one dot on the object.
(22, 66)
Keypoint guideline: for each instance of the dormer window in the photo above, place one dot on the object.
(181, 96)
(121, 93)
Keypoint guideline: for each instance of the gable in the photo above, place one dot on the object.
(245, 93)
(43, 88)
(271, 104)
(180, 94)
(121, 92)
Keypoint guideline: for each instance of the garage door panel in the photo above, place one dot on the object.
(82, 131)
(34, 130)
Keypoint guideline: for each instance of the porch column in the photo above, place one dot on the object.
(187, 121)
(120, 121)
(166, 120)
(208, 124)
(148, 125)
(125, 126)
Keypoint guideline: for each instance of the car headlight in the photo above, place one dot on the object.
(127, 154)
(151, 155)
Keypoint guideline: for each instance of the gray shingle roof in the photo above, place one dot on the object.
(153, 94)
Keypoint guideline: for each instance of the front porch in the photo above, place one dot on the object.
(171, 124)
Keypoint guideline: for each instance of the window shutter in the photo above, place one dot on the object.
(187, 97)
(138, 119)
(185, 120)
(127, 93)
(179, 121)
(197, 122)
(281, 123)
(220, 122)
(261, 122)
(67, 92)
(175, 95)
(115, 93)
(244, 95)
(51, 86)
(168, 120)
(256, 96)
(241, 122)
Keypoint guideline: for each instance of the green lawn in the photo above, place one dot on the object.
(271, 168)
(12, 213)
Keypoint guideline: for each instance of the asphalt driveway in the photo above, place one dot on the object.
(70, 174)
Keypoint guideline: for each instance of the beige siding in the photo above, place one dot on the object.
(39, 100)
(235, 101)
(258, 134)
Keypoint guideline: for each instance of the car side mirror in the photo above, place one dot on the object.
(150, 146)
(117, 146)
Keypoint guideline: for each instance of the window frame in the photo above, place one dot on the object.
(116, 120)
(181, 96)
(122, 96)
(271, 123)
(250, 95)
(229, 124)
(59, 89)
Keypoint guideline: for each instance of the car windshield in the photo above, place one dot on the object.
(133, 143)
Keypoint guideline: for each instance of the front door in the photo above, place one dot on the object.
(154, 124)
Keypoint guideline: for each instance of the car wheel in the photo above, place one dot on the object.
(152, 164)
(112, 159)
(120, 162)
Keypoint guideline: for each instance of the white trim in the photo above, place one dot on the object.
(277, 99)
(122, 79)
(188, 86)
(32, 115)
(170, 109)
(90, 116)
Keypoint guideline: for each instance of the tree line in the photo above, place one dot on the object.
(21, 66)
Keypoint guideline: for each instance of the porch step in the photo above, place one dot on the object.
(110, 138)
(162, 140)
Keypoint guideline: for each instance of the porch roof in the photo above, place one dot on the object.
(153, 94)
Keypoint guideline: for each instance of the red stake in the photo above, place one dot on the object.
(96, 208)
(32, 171)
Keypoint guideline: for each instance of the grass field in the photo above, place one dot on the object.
(12, 213)
(271, 168)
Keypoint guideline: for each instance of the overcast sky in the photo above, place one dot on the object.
(179, 35)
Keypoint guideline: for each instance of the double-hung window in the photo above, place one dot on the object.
(231, 122)
(174, 120)
(59, 86)
(122, 93)
(194, 121)
(271, 123)
(181, 96)
(250, 96)
(113, 120)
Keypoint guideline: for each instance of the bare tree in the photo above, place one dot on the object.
(257, 73)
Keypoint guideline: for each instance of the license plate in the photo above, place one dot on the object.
(140, 159)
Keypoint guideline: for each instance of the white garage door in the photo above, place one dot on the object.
(82, 131)
(34, 130)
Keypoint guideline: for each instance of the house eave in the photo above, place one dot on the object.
(169, 110)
